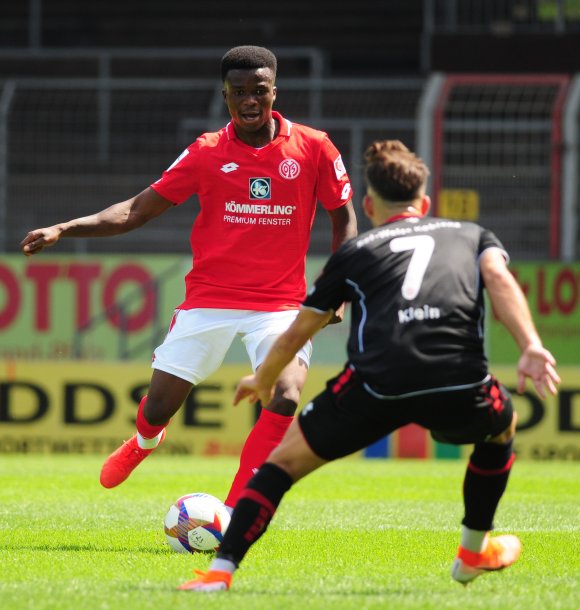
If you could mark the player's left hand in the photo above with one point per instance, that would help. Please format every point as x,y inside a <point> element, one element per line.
<point>538,364</point>
<point>38,239</point>
<point>337,316</point>
<point>250,389</point>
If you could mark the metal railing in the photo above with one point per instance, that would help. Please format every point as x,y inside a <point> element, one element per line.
<point>500,16</point>
<point>353,111</point>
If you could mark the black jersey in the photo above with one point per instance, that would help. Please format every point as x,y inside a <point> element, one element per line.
<point>417,303</point>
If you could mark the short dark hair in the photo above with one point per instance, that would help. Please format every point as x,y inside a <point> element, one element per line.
<point>248,57</point>
<point>393,171</point>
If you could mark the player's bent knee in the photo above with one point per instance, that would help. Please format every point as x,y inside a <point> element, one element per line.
<point>508,434</point>
<point>289,388</point>
<point>283,405</point>
<point>297,461</point>
<point>294,455</point>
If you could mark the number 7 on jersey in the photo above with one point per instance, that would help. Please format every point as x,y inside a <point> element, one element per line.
<point>422,246</point>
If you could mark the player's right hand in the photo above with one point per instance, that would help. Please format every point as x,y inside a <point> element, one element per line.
<point>337,316</point>
<point>248,388</point>
<point>38,239</point>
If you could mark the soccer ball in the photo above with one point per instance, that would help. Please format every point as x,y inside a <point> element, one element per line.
<point>196,523</point>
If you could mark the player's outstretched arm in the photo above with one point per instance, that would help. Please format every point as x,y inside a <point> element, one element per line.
<point>117,219</point>
<point>510,306</point>
<point>344,227</point>
<point>260,386</point>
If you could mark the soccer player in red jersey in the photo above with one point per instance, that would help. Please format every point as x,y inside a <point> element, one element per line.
<point>415,355</point>
<point>258,181</point>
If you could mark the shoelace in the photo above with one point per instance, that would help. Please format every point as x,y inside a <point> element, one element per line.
<point>492,553</point>
<point>210,576</point>
<point>201,576</point>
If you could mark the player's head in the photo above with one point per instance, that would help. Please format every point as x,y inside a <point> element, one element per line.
<point>248,57</point>
<point>396,180</point>
<point>249,74</point>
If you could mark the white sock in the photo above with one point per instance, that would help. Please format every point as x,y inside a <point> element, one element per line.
<point>223,565</point>
<point>473,540</point>
<point>148,443</point>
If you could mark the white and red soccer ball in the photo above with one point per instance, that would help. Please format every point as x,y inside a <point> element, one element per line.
<point>196,523</point>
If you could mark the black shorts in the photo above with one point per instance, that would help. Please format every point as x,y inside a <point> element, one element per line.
<point>346,418</point>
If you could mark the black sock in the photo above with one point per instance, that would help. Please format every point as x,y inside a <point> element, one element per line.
<point>254,511</point>
<point>485,481</point>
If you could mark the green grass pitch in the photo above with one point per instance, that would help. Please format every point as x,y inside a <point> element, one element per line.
<point>358,534</point>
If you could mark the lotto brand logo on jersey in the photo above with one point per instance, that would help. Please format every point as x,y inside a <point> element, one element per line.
<point>259,188</point>
<point>339,168</point>
<point>289,169</point>
<point>229,167</point>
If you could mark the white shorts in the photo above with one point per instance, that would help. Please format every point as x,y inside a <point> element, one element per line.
<point>198,339</point>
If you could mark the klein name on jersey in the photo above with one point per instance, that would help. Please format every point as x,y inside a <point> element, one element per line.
<point>419,313</point>
<point>259,208</point>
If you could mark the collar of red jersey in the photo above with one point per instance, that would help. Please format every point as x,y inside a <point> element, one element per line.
<point>401,216</point>
<point>285,126</point>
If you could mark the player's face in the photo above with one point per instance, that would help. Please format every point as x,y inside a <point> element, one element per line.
<point>250,95</point>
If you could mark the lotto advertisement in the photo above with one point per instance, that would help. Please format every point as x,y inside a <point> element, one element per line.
<point>76,337</point>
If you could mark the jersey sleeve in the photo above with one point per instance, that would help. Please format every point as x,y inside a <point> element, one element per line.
<point>488,240</point>
<point>330,290</point>
<point>180,180</point>
<point>334,189</point>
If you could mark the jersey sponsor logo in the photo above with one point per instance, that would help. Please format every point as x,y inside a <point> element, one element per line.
<point>289,169</point>
<point>339,168</point>
<point>258,214</point>
<point>382,234</point>
<point>418,314</point>
<point>259,209</point>
<point>346,192</point>
<point>259,188</point>
<point>425,228</point>
<point>229,167</point>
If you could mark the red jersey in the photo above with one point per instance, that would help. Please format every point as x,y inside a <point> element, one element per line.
<point>250,238</point>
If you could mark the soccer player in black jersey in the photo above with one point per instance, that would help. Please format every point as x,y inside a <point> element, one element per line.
<point>415,355</point>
